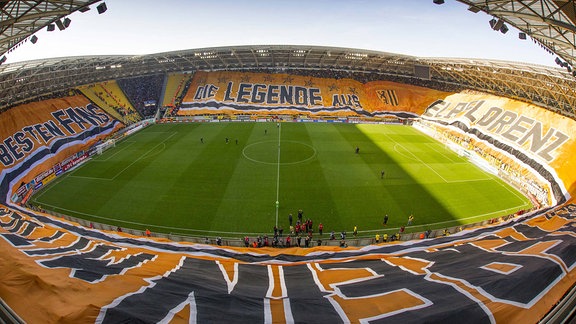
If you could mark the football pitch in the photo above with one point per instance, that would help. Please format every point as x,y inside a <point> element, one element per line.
<point>224,179</point>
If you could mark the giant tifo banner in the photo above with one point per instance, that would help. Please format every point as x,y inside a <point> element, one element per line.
<point>36,137</point>
<point>539,138</point>
<point>513,272</point>
<point>265,93</point>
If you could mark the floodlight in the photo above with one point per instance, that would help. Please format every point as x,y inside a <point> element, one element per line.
<point>51,27</point>
<point>60,24</point>
<point>504,28</point>
<point>438,2</point>
<point>493,22</point>
<point>522,35</point>
<point>558,61</point>
<point>498,24</point>
<point>84,9</point>
<point>33,39</point>
<point>102,8</point>
<point>2,59</point>
<point>474,9</point>
<point>67,22</point>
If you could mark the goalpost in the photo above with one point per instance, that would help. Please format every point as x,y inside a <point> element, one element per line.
<point>100,148</point>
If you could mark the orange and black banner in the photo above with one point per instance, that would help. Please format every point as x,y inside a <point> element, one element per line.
<point>266,93</point>
<point>36,136</point>
<point>512,272</point>
<point>388,97</point>
<point>541,139</point>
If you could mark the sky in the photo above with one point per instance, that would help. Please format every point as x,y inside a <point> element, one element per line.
<point>410,27</point>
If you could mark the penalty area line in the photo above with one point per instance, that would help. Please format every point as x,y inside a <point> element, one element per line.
<point>192,230</point>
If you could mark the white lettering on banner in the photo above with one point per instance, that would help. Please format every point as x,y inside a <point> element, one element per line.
<point>16,147</point>
<point>270,94</point>
<point>513,127</point>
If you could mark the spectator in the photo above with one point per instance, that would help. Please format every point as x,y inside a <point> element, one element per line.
<point>143,93</point>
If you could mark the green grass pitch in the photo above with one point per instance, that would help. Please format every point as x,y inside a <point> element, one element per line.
<point>166,179</point>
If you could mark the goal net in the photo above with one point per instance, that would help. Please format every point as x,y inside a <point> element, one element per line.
<point>104,146</point>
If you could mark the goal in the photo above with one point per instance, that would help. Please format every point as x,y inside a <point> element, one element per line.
<point>100,148</point>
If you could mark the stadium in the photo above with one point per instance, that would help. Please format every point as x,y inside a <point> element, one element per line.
<point>164,187</point>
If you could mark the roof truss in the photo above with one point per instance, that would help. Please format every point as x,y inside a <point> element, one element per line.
<point>550,23</point>
<point>20,19</point>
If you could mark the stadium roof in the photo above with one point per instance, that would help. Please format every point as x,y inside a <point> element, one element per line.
<point>549,87</point>
<point>550,23</point>
<point>21,19</point>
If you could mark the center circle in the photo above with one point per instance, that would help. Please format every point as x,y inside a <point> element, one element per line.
<point>291,152</point>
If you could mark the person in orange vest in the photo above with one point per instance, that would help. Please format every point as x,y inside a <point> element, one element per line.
<point>320,228</point>
<point>148,233</point>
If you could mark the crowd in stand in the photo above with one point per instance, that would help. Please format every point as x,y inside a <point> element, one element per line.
<point>509,169</point>
<point>363,77</point>
<point>112,100</point>
<point>46,96</point>
<point>181,89</point>
<point>178,99</point>
<point>143,92</point>
<point>147,89</point>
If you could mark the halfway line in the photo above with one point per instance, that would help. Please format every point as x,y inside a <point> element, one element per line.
<point>278,175</point>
